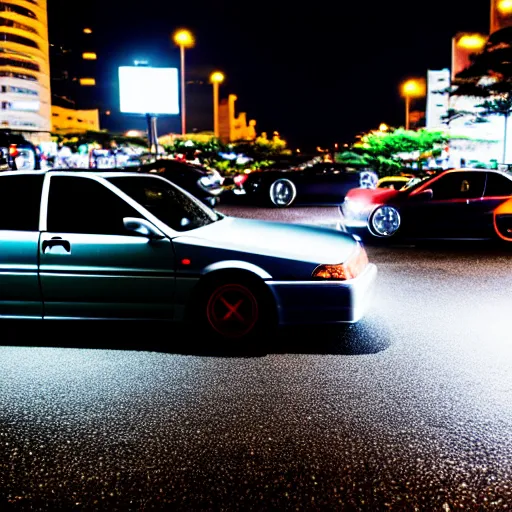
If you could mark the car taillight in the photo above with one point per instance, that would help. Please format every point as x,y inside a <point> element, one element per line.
<point>13,150</point>
<point>343,271</point>
<point>240,179</point>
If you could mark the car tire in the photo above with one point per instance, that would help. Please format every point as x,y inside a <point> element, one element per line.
<point>282,193</point>
<point>233,309</point>
<point>384,222</point>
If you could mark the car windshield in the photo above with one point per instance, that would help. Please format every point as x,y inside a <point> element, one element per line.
<point>175,208</point>
<point>414,183</point>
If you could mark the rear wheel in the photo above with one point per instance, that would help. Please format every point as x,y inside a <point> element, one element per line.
<point>282,193</point>
<point>384,222</point>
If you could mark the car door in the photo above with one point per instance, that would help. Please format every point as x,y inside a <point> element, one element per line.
<point>20,200</point>
<point>454,208</point>
<point>90,265</point>
<point>320,181</point>
<point>498,189</point>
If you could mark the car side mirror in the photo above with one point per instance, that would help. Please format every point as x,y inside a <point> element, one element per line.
<point>424,195</point>
<point>142,227</point>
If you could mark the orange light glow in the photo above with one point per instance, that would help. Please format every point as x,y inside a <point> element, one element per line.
<point>217,77</point>
<point>89,56</point>
<point>414,88</point>
<point>87,31</point>
<point>504,209</point>
<point>348,270</point>
<point>184,37</point>
<point>505,6</point>
<point>472,42</point>
<point>87,81</point>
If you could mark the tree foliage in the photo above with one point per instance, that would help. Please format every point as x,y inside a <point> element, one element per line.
<point>388,152</point>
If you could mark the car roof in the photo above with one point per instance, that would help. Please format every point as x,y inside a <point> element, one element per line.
<point>71,172</point>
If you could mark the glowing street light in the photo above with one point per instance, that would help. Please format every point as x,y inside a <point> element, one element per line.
<point>472,41</point>
<point>412,88</point>
<point>184,39</point>
<point>383,127</point>
<point>216,78</point>
<point>505,6</point>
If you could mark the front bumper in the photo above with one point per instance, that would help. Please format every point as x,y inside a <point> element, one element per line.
<point>324,302</point>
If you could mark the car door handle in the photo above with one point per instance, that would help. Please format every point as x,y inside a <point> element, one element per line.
<point>56,241</point>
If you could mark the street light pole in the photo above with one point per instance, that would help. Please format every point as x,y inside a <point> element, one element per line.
<point>216,109</point>
<point>183,38</point>
<point>413,88</point>
<point>182,87</point>
<point>216,78</point>
<point>407,112</point>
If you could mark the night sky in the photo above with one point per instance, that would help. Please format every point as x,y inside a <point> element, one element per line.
<point>317,72</point>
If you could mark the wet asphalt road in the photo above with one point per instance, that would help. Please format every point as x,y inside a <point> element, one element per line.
<point>411,409</point>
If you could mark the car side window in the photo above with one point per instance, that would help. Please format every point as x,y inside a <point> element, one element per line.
<point>20,202</point>
<point>459,185</point>
<point>497,185</point>
<point>78,204</point>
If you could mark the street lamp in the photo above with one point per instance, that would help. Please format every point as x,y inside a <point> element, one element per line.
<point>216,78</point>
<point>413,88</point>
<point>184,39</point>
<point>474,42</point>
<point>505,6</point>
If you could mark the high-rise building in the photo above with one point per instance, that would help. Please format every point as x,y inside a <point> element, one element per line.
<point>73,59</point>
<point>25,97</point>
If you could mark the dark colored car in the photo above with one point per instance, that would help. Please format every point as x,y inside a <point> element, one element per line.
<point>17,153</point>
<point>203,183</point>
<point>461,203</point>
<point>317,183</point>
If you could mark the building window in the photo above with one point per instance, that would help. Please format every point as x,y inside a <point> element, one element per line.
<point>19,64</point>
<point>89,56</point>
<point>14,24</point>
<point>17,9</point>
<point>13,38</point>
<point>87,81</point>
<point>21,90</point>
<point>21,76</point>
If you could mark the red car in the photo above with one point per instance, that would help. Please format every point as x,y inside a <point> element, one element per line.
<point>459,203</point>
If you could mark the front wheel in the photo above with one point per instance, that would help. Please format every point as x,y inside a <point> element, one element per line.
<point>233,310</point>
<point>282,193</point>
<point>384,222</point>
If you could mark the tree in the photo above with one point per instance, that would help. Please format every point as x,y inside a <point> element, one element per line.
<point>489,77</point>
<point>387,152</point>
<point>496,95</point>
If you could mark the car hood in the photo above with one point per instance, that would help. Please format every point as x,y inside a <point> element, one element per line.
<point>266,238</point>
<point>371,195</point>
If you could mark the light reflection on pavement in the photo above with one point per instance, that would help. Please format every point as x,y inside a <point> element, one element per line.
<point>411,409</point>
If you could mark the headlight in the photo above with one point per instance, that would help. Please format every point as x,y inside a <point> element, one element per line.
<point>354,207</point>
<point>350,269</point>
<point>206,181</point>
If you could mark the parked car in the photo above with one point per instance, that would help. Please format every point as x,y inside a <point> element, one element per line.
<point>457,203</point>
<point>114,245</point>
<point>203,183</point>
<point>395,182</point>
<point>320,182</point>
<point>17,153</point>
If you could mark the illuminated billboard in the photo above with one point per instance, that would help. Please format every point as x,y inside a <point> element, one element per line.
<point>147,90</point>
<point>501,14</point>
<point>464,46</point>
